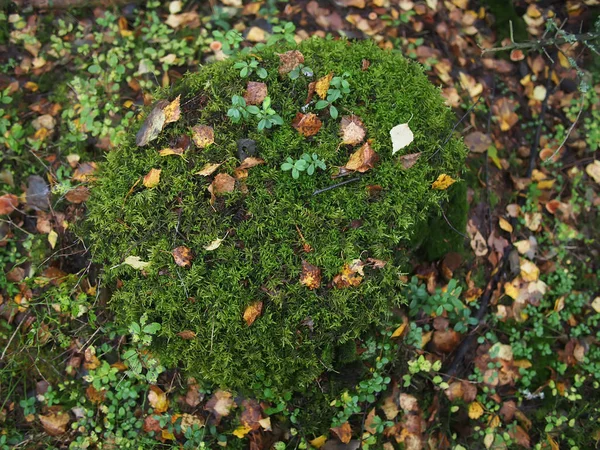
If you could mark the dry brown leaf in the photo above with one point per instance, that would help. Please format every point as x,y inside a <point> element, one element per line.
<point>203,135</point>
<point>252,312</point>
<point>322,85</point>
<point>352,130</point>
<point>208,169</point>
<point>251,414</point>
<point>171,151</point>
<point>172,111</point>
<point>256,92</point>
<point>94,395</point>
<point>477,141</point>
<point>343,432</point>
<point>593,170</point>
<point>85,172</point>
<point>8,203</point>
<point>363,159</point>
<point>443,182</point>
<point>186,334</point>
<point>504,111</point>
<point>158,400</point>
<point>408,403</point>
<point>289,60</point>
<point>55,422</point>
<point>183,256</point>
<point>470,85</point>
<point>310,276</point>
<point>221,184</point>
<point>409,160</point>
<point>220,404</point>
<point>78,195</point>
<point>152,178</point>
<point>307,124</point>
<point>153,124</point>
<point>251,161</point>
<point>369,426</point>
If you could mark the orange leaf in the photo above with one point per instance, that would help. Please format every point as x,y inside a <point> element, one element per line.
<point>252,312</point>
<point>348,277</point>
<point>8,203</point>
<point>311,275</point>
<point>251,162</point>
<point>343,432</point>
<point>363,159</point>
<point>307,124</point>
<point>186,334</point>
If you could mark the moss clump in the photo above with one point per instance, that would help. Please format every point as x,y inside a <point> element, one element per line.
<point>294,339</point>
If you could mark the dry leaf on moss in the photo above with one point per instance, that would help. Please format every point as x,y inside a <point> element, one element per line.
<point>208,169</point>
<point>352,130</point>
<point>289,60</point>
<point>410,159</point>
<point>136,262</point>
<point>350,276</point>
<point>172,111</point>
<point>251,414</point>
<point>203,135</point>
<point>186,334</point>
<point>153,125</point>
<point>152,178</point>
<point>158,399</point>
<point>221,184</point>
<point>310,276</point>
<point>256,92</point>
<point>171,151</point>
<point>252,312</point>
<point>183,256</point>
<point>78,195</point>
<point>593,170</point>
<point>343,432</point>
<point>307,124</point>
<point>55,422</point>
<point>220,404</point>
<point>251,161</point>
<point>8,203</point>
<point>401,136</point>
<point>443,182</point>
<point>322,85</point>
<point>213,245</point>
<point>363,159</point>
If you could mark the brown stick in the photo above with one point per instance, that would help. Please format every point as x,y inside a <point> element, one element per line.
<point>541,43</point>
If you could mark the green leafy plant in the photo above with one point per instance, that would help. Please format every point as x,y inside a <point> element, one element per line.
<point>308,163</point>
<point>267,116</point>
<point>138,358</point>
<point>248,68</point>
<point>300,69</point>
<point>338,87</point>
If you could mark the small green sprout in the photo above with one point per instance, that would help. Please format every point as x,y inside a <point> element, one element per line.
<point>306,163</point>
<point>247,68</point>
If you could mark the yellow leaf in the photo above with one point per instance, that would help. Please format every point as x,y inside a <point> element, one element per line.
<point>171,151</point>
<point>213,245</point>
<point>399,331</point>
<point>203,135</point>
<point>252,312</point>
<point>152,178</point>
<point>208,169</point>
<point>593,170</point>
<point>158,399</point>
<point>167,435</point>
<point>443,182</point>
<point>172,111</point>
<point>505,225</point>
<point>136,262</point>
<point>318,442</point>
<point>488,440</point>
<point>511,290</point>
<point>546,184</point>
<point>475,410</point>
<point>52,238</point>
<point>596,304</point>
<point>529,271</point>
<point>265,423</point>
<point>322,85</point>
<point>241,431</point>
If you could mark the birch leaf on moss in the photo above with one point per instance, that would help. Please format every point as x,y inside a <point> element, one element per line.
<point>322,85</point>
<point>352,130</point>
<point>136,262</point>
<point>152,178</point>
<point>401,136</point>
<point>213,245</point>
<point>162,114</point>
<point>443,182</point>
<point>203,135</point>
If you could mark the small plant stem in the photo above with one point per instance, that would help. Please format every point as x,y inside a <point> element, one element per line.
<point>329,188</point>
<point>571,127</point>
<point>542,43</point>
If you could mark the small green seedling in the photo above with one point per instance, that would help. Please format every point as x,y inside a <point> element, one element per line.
<point>306,163</point>
<point>237,111</point>
<point>267,116</point>
<point>247,68</point>
<point>300,69</point>
<point>339,86</point>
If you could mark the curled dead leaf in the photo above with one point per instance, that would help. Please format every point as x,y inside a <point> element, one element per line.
<point>252,312</point>
<point>183,256</point>
<point>363,159</point>
<point>504,111</point>
<point>251,161</point>
<point>350,276</point>
<point>307,124</point>
<point>310,276</point>
<point>153,124</point>
<point>352,130</point>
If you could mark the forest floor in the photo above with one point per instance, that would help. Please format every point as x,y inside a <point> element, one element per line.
<point>525,374</point>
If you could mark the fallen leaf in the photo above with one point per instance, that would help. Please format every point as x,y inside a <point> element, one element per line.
<point>94,395</point>
<point>158,400</point>
<point>399,331</point>
<point>369,425</point>
<point>252,312</point>
<point>596,304</point>
<point>256,92</point>
<point>213,245</point>
<point>470,85</point>
<point>443,182</point>
<point>55,422</point>
<point>241,431</point>
<point>37,195</point>
<point>348,277</point>
<point>343,432</point>
<point>529,271</point>
<point>186,334</point>
<point>78,195</point>
<point>390,408</point>
<point>289,60</point>
<point>307,124</point>
<point>152,178</point>
<point>593,170</point>
<point>203,135</point>
<point>220,404</point>
<point>189,420</point>
<point>183,256</point>
<point>266,424</point>
<point>401,136</point>
<point>322,85</point>
<point>408,403</point>
<point>221,184</point>
<point>52,238</point>
<point>352,130</point>
<point>251,414</point>
<point>318,442</point>
<point>8,203</point>
<point>310,276</point>
<point>171,151</point>
<point>172,111</point>
<point>533,220</point>
<point>208,169</point>
<point>251,161</point>
<point>475,410</point>
<point>410,159</point>
<point>505,225</point>
<point>153,125</point>
<point>478,142</point>
<point>504,111</point>
<point>363,159</point>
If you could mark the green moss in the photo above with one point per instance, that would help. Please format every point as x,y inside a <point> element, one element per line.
<point>261,257</point>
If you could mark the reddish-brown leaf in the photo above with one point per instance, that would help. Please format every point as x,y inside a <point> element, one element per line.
<point>186,334</point>
<point>183,256</point>
<point>251,414</point>
<point>221,184</point>
<point>307,124</point>
<point>310,276</point>
<point>8,203</point>
<point>410,159</point>
<point>78,195</point>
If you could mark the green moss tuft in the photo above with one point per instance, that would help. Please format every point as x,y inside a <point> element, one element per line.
<point>294,339</point>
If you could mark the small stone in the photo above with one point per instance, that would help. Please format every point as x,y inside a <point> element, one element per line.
<point>246,148</point>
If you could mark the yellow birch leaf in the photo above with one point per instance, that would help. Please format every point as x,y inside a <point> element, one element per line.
<point>322,85</point>
<point>505,225</point>
<point>152,178</point>
<point>475,410</point>
<point>399,331</point>
<point>318,442</point>
<point>443,182</point>
<point>52,238</point>
<point>241,431</point>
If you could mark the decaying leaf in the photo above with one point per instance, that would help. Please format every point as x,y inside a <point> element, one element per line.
<point>136,262</point>
<point>252,312</point>
<point>203,135</point>
<point>289,60</point>
<point>251,414</point>
<point>152,178</point>
<point>213,245</point>
<point>443,182</point>
<point>208,169</point>
<point>221,184</point>
<point>84,173</point>
<point>251,161</point>
<point>307,124</point>
<point>310,276</point>
<point>78,195</point>
<point>186,334</point>
<point>504,111</point>
<point>470,85</point>
<point>351,275</point>
<point>220,404</point>
<point>158,399</point>
<point>343,432</point>
<point>477,141</point>
<point>475,410</point>
<point>172,111</point>
<point>505,225</point>
<point>183,256</point>
<point>352,130</point>
<point>55,422</point>
<point>363,159</point>
<point>153,125</point>
<point>322,85</point>
<point>8,203</point>
<point>171,151</point>
<point>410,159</point>
<point>401,136</point>
<point>256,92</point>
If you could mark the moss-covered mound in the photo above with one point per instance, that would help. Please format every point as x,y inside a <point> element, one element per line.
<point>271,222</point>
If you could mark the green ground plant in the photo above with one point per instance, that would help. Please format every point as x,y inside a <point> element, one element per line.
<point>261,260</point>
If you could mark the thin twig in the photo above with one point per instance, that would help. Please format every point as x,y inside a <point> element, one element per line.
<point>351,180</point>
<point>541,43</point>
<point>571,127</point>
<point>11,338</point>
